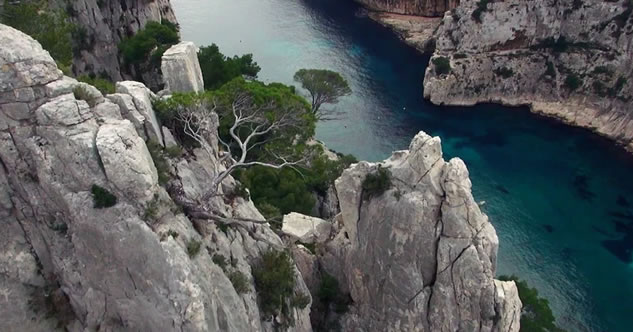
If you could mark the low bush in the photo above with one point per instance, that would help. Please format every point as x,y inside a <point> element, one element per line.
<point>573,82</point>
<point>103,85</point>
<point>275,281</point>
<point>504,72</point>
<point>81,93</point>
<point>375,184</point>
<point>329,292</point>
<point>151,209</point>
<point>482,6</point>
<point>193,248</point>
<point>220,261</point>
<point>239,281</point>
<point>442,65</point>
<point>161,163</point>
<point>102,198</point>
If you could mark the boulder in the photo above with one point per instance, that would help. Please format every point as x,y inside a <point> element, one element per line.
<point>143,97</point>
<point>181,69</point>
<point>305,228</point>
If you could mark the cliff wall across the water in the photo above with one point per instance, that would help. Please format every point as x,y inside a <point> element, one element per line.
<point>572,60</point>
<point>411,7</point>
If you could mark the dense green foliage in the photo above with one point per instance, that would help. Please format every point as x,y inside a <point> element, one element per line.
<point>49,27</point>
<point>275,281</point>
<point>504,72</point>
<point>276,192</point>
<point>573,82</point>
<point>150,42</point>
<point>536,315</point>
<point>158,156</point>
<point>193,247</point>
<point>375,184</point>
<point>239,281</point>
<point>442,65</point>
<point>325,86</point>
<point>102,84</point>
<point>282,96</point>
<point>218,69</point>
<point>330,293</point>
<point>482,6</point>
<point>102,198</point>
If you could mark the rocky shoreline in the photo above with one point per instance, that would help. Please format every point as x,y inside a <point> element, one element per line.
<point>562,60</point>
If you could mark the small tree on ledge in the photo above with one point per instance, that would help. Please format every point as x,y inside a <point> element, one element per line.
<point>325,87</point>
<point>263,125</point>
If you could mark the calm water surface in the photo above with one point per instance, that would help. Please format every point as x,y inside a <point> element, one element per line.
<point>560,198</point>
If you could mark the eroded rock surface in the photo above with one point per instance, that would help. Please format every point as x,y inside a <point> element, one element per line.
<point>305,228</point>
<point>181,69</point>
<point>412,7</point>
<point>421,256</point>
<point>139,265</point>
<point>566,59</point>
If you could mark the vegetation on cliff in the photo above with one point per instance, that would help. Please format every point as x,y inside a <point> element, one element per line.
<point>536,315</point>
<point>218,69</point>
<point>325,87</point>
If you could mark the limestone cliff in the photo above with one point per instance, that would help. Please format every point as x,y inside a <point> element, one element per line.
<point>411,7</point>
<point>139,265</point>
<point>568,59</point>
<point>420,256</point>
<point>104,24</point>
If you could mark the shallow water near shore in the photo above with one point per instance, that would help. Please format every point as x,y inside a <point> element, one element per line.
<point>560,198</point>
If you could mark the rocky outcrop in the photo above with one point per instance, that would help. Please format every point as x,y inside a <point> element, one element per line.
<point>420,256</point>
<point>138,265</point>
<point>305,228</point>
<point>411,7</point>
<point>103,24</point>
<point>181,69</point>
<point>416,31</point>
<point>566,59</point>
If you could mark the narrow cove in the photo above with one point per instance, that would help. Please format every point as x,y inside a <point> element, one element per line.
<point>560,198</point>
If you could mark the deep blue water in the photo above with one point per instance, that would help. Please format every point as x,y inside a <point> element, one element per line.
<point>555,194</point>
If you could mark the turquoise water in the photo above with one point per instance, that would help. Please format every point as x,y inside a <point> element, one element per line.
<point>556,195</point>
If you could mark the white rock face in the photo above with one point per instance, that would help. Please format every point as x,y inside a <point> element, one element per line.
<point>65,265</point>
<point>181,69</point>
<point>142,98</point>
<point>305,228</point>
<point>527,53</point>
<point>421,256</point>
<point>126,160</point>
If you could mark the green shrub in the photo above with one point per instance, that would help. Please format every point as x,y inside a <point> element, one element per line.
<point>619,84</point>
<point>599,88</point>
<point>300,301</point>
<point>81,93</point>
<point>482,6</point>
<point>103,85</point>
<point>102,198</point>
<point>174,151</point>
<point>504,72</point>
<point>573,82</point>
<point>161,163</point>
<point>51,28</point>
<point>172,233</point>
<point>603,70</point>
<point>442,65</point>
<point>218,69</point>
<point>193,248</point>
<point>459,56</point>
<point>536,314</point>
<point>375,184</point>
<point>220,261</point>
<point>151,209</point>
<point>239,281</point>
<point>275,281</point>
<point>238,191</point>
<point>330,293</point>
<point>154,37</point>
